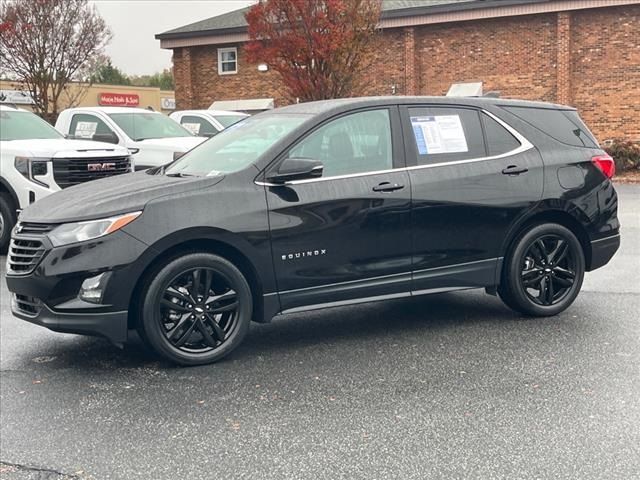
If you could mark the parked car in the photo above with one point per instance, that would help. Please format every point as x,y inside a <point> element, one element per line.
<point>324,204</point>
<point>207,123</point>
<point>36,160</point>
<point>152,138</point>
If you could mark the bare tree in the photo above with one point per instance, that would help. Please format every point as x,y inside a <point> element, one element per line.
<point>47,44</point>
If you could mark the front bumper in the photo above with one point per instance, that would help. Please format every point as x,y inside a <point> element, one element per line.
<point>48,294</point>
<point>110,325</point>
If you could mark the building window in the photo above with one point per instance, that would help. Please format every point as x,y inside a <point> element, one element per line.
<point>227,61</point>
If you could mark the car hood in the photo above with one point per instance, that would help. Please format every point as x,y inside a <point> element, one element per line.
<point>176,144</point>
<point>62,147</point>
<point>110,196</point>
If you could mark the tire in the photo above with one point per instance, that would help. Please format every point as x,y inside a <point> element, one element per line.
<point>188,323</point>
<point>7,221</point>
<point>543,272</point>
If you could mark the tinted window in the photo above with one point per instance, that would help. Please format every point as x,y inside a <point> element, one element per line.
<point>143,126</point>
<point>24,126</point>
<point>228,120</point>
<point>445,134</point>
<point>198,126</point>
<point>356,143</point>
<point>563,125</point>
<point>238,146</point>
<point>86,126</point>
<point>499,140</point>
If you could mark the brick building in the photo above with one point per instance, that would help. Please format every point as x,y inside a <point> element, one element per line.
<point>584,53</point>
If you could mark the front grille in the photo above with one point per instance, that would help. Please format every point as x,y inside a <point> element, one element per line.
<point>34,228</point>
<point>27,305</point>
<point>72,171</point>
<point>24,255</point>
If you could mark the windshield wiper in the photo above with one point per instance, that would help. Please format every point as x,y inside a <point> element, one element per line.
<point>180,175</point>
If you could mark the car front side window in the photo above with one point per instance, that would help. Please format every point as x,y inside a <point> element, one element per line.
<point>86,126</point>
<point>352,144</point>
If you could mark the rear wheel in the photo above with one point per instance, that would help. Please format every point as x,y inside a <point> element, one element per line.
<point>196,309</point>
<point>7,220</point>
<point>543,273</point>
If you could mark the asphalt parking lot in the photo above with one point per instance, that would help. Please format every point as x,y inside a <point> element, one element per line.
<point>446,386</point>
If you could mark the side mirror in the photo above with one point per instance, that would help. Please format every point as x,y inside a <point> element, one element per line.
<point>296,169</point>
<point>106,137</point>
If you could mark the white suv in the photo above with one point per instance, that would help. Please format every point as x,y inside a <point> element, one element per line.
<point>207,123</point>
<point>152,138</point>
<point>36,160</point>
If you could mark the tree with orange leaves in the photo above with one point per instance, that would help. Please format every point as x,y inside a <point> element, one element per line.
<point>318,47</point>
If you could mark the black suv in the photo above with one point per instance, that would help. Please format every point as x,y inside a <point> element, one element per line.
<point>323,204</point>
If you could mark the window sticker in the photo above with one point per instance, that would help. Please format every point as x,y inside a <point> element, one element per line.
<point>192,127</point>
<point>85,129</point>
<point>439,134</point>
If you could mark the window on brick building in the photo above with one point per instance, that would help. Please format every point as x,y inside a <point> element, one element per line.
<point>227,61</point>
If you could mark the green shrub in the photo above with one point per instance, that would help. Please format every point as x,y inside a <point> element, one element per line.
<point>626,154</point>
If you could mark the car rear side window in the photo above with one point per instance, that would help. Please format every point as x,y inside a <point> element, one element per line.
<point>446,134</point>
<point>563,125</point>
<point>85,126</point>
<point>499,140</point>
<point>198,126</point>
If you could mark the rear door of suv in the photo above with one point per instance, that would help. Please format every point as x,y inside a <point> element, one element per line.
<point>472,177</point>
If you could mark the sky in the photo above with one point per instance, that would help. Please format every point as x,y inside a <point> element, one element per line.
<point>134,24</point>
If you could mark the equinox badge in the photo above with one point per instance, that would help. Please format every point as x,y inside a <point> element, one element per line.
<point>308,253</point>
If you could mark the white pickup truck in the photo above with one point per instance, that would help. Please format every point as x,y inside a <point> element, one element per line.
<point>152,138</point>
<point>36,160</point>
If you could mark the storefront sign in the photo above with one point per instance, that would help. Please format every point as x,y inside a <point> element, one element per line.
<point>119,99</point>
<point>15,96</point>
<point>168,103</point>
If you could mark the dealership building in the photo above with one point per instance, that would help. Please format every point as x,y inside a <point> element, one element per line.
<point>584,53</point>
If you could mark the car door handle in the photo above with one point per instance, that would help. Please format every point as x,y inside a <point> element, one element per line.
<point>387,187</point>
<point>514,170</point>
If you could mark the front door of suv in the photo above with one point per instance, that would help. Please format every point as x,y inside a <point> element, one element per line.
<point>346,234</point>
<point>472,177</point>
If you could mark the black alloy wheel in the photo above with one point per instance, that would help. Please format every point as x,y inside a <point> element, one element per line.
<point>199,310</point>
<point>544,271</point>
<point>196,309</point>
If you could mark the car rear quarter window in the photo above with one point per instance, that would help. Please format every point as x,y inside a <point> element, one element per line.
<point>499,140</point>
<point>445,134</point>
<point>563,125</point>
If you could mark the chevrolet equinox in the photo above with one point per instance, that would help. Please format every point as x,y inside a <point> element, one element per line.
<point>323,204</point>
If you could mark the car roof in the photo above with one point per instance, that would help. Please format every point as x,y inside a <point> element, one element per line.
<point>112,110</point>
<point>327,106</point>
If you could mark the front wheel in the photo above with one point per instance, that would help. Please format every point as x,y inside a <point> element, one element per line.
<point>544,271</point>
<point>196,309</point>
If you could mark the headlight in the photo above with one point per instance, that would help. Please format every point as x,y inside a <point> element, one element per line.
<point>30,168</point>
<point>81,231</point>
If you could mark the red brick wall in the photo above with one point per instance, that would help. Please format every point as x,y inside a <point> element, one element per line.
<point>515,56</point>
<point>589,59</point>
<point>605,70</point>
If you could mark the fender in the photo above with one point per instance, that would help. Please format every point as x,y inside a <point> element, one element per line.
<point>4,185</point>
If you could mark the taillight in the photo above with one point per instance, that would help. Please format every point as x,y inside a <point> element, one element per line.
<point>605,164</point>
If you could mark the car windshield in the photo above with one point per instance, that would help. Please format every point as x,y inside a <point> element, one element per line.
<point>237,147</point>
<point>228,120</point>
<point>16,125</point>
<point>144,126</point>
